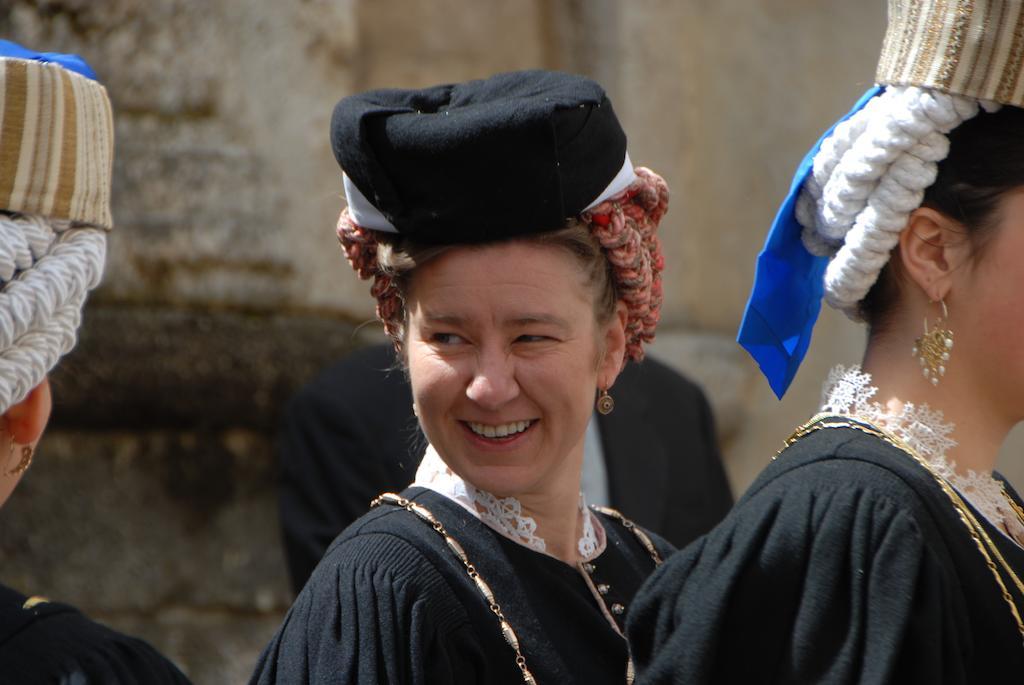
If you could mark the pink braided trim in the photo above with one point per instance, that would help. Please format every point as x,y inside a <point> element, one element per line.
<point>624,225</point>
<point>360,245</point>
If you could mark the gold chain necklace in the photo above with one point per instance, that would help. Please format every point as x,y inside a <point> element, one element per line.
<point>1013,503</point>
<point>639,533</point>
<point>509,634</point>
<point>981,538</point>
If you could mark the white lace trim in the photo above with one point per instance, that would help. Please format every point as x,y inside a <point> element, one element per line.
<point>502,514</point>
<point>849,391</point>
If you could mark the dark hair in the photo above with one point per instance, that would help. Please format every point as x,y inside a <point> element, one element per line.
<point>985,162</point>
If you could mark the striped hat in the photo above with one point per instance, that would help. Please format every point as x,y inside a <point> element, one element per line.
<point>56,139</point>
<point>56,148</point>
<point>973,48</point>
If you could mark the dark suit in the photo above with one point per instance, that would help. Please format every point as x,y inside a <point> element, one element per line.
<point>350,435</point>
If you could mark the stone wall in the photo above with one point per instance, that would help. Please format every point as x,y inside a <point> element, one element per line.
<point>152,502</point>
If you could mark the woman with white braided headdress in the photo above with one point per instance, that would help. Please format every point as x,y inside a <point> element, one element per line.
<point>56,147</point>
<point>880,545</point>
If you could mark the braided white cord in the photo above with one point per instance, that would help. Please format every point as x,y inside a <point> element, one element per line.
<point>869,175</point>
<point>47,268</point>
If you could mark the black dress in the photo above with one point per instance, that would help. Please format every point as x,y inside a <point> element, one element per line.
<point>391,603</point>
<point>844,563</point>
<point>55,643</point>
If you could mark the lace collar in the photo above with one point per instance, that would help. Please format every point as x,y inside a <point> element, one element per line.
<point>503,514</point>
<point>849,391</point>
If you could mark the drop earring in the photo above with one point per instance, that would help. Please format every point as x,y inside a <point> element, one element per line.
<point>26,459</point>
<point>933,348</point>
<point>605,403</point>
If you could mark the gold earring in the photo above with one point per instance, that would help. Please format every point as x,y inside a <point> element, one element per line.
<point>605,403</point>
<point>26,459</point>
<point>932,349</point>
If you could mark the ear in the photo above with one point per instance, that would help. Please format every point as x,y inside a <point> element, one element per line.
<point>26,420</point>
<point>931,248</point>
<point>614,347</point>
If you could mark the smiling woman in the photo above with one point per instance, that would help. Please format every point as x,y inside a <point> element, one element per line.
<point>514,260</point>
<point>504,381</point>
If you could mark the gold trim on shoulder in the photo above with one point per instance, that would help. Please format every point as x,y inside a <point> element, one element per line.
<point>986,547</point>
<point>35,601</point>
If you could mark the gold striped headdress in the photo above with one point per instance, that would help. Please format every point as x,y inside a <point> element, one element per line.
<point>56,143</point>
<point>973,48</point>
<point>56,157</point>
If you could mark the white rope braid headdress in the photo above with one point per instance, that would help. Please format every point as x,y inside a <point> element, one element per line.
<point>54,213</point>
<point>869,175</point>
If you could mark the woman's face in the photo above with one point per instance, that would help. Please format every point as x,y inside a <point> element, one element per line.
<point>986,307</point>
<point>505,355</point>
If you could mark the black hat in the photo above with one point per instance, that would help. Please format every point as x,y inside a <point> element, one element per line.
<point>510,155</point>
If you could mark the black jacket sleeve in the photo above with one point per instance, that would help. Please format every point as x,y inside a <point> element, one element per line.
<point>375,611</point>
<point>53,642</point>
<point>826,584</point>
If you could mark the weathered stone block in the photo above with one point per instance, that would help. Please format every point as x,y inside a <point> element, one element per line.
<point>723,99</point>
<point>715,363</point>
<point>209,646</point>
<point>135,522</point>
<point>406,44</point>
<point>225,187</point>
<point>150,367</point>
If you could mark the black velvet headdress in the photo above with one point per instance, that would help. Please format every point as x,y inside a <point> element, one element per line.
<point>513,154</point>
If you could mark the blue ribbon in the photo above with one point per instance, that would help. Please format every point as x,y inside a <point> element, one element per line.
<point>788,285</point>
<point>70,62</point>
